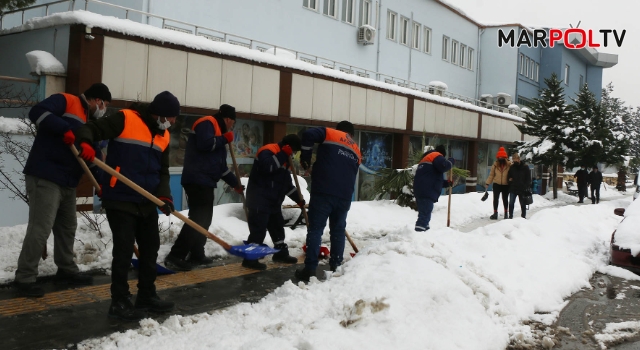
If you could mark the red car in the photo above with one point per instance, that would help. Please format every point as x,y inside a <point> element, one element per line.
<point>622,257</point>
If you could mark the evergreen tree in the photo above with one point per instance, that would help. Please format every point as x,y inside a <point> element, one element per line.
<point>586,138</point>
<point>554,126</point>
<point>10,5</point>
<point>617,128</point>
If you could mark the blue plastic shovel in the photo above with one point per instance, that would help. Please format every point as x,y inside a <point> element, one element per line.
<point>247,251</point>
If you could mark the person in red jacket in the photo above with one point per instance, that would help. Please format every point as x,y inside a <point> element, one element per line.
<point>52,174</point>
<point>269,182</point>
<point>139,150</point>
<point>332,183</point>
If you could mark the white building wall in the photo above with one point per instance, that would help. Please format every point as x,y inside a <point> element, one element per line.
<point>498,65</point>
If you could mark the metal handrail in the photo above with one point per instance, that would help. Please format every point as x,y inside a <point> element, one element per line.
<point>252,44</point>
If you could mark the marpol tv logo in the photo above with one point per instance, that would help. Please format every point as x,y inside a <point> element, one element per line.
<point>572,38</point>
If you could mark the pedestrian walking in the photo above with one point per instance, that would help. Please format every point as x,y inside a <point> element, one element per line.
<point>595,180</point>
<point>269,182</point>
<point>583,183</point>
<point>52,174</point>
<point>205,163</point>
<point>428,183</point>
<point>139,150</point>
<point>333,180</point>
<point>519,182</point>
<point>498,177</point>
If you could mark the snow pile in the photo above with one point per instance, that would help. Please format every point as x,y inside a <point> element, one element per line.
<point>444,288</point>
<point>438,85</point>
<point>43,63</point>
<point>13,125</point>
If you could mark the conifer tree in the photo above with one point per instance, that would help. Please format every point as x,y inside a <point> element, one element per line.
<point>552,123</point>
<point>10,5</point>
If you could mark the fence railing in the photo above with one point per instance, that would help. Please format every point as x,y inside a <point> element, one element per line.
<point>217,35</point>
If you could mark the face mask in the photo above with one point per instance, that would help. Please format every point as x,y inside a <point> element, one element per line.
<point>99,113</point>
<point>163,126</point>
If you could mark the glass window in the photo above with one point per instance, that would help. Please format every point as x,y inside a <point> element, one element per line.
<point>463,54</point>
<point>404,31</point>
<point>366,12</point>
<point>392,18</point>
<point>532,69</point>
<point>348,11</point>
<point>445,48</point>
<point>416,36</point>
<point>566,74</point>
<point>537,71</point>
<point>526,66</point>
<point>522,64</point>
<point>376,151</point>
<point>470,59</point>
<point>426,47</point>
<point>310,4</point>
<point>454,52</point>
<point>581,80</point>
<point>330,8</point>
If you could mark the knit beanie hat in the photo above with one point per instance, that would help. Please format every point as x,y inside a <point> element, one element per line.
<point>98,90</point>
<point>442,150</point>
<point>501,153</point>
<point>165,105</point>
<point>227,111</point>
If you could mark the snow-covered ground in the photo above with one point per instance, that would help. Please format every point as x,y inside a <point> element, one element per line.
<point>443,289</point>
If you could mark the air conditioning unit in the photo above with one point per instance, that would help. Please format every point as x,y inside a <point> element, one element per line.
<point>486,100</point>
<point>366,33</point>
<point>436,91</point>
<point>503,99</point>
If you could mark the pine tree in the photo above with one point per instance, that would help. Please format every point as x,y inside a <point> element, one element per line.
<point>553,124</point>
<point>10,5</point>
<point>590,133</point>
<point>617,128</point>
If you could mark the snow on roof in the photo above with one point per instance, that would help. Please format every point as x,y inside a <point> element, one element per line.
<point>438,84</point>
<point>131,28</point>
<point>42,62</point>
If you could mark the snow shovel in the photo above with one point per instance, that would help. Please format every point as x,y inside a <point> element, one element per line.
<point>450,192</point>
<point>247,251</point>
<point>304,211</point>
<point>235,168</point>
<point>159,268</point>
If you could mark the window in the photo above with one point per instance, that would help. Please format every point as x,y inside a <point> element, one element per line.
<point>426,45</point>
<point>581,80</point>
<point>537,71</point>
<point>566,74</point>
<point>415,41</point>
<point>330,8</point>
<point>404,31</point>
<point>532,69</point>
<point>365,19</point>
<point>454,52</point>
<point>522,64</point>
<point>463,54</point>
<point>526,66</point>
<point>310,4</point>
<point>470,59</point>
<point>445,47</point>
<point>392,18</point>
<point>348,11</point>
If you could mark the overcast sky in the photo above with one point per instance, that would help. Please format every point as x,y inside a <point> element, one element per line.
<point>596,15</point>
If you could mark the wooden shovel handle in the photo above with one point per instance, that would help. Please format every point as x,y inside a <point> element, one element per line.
<point>84,166</point>
<point>160,203</point>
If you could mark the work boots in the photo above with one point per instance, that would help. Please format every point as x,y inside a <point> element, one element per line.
<point>254,264</point>
<point>494,216</point>
<point>153,303</point>
<point>123,309</point>
<point>283,255</point>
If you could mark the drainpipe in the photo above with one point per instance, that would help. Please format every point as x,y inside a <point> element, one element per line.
<point>478,74</point>
<point>148,9</point>
<point>379,35</point>
<point>410,45</point>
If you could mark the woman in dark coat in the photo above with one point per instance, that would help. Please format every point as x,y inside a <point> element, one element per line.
<point>519,182</point>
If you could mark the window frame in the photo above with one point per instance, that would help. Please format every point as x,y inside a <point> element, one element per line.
<point>463,53</point>
<point>345,11</point>
<point>365,16</point>
<point>537,71</point>
<point>532,69</point>
<point>327,7</point>
<point>567,71</point>
<point>308,2</point>
<point>445,48</point>
<point>394,27</point>
<point>454,51</point>
<point>521,64</point>
<point>415,35</point>
<point>526,66</point>
<point>470,58</point>
<point>581,81</point>
<point>404,38</point>
<point>426,40</point>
